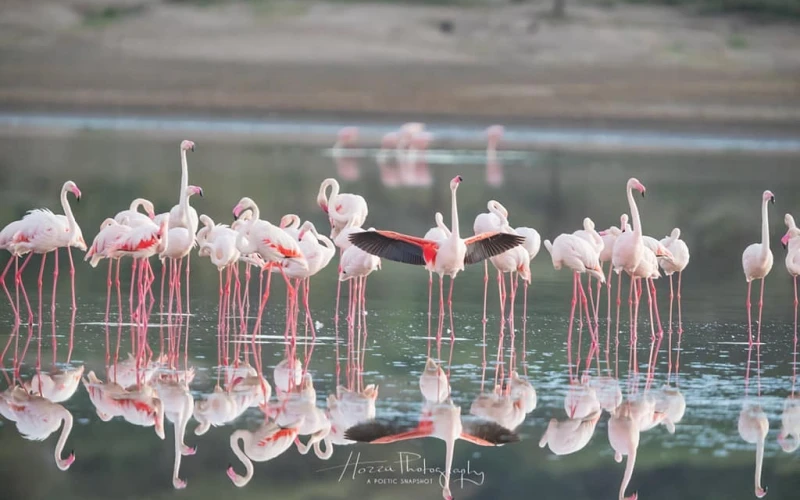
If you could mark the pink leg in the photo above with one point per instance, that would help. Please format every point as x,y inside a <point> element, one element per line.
<point>760,309</point>
<point>660,330</point>
<point>485,290</point>
<point>72,278</point>
<point>430,304</point>
<point>133,280</point>
<point>18,281</point>
<point>680,317</point>
<point>5,288</point>
<point>669,331</point>
<point>795,314</point>
<point>441,318</point>
<point>749,318</point>
<point>524,328</point>
<point>650,310</point>
<point>571,320</point>
<point>109,286</point>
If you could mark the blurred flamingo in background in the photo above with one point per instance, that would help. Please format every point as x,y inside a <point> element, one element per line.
<point>792,240</point>
<point>494,167</point>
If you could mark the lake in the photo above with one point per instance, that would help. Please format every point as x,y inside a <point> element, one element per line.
<point>713,197</point>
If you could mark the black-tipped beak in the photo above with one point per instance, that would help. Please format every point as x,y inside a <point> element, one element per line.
<point>642,194</point>
<point>78,199</point>
<point>192,147</point>
<point>772,199</point>
<point>71,452</point>
<point>460,179</point>
<point>201,193</point>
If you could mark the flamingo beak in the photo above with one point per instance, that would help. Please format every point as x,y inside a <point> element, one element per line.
<point>192,147</point>
<point>236,211</point>
<point>772,200</point>
<point>200,192</point>
<point>785,241</point>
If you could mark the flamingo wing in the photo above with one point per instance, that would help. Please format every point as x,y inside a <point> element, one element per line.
<point>489,434</point>
<point>486,245</point>
<point>381,433</point>
<point>396,246</point>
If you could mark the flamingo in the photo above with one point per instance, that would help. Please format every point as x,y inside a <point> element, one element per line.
<point>577,254</point>
<point>623,435</point>
<point>132,217</point>
<point>291,224</point>
<point>343,209</point>
<point>629,246</point>
<point>433,383</point>
<point>680,259</point>
<point>494,167</point>
<point>6,243</point>
<point>495,220</point>
<point>597,242</point>
<point>43,232</point>
<point>610,236</point>
<point>570,435</point>
<point>791,241</point>
<point>753,428</point>
<point>757,263</point>
<point>347,408</point>
<point>180,213</point>
<point>38,417</point>
<point>57,386</point>
<point>178,406</point>
<point>443,257</point>
<point>439,420</point>
<point>504,409</point>
<point>267,442</point>
<point>346,137</point>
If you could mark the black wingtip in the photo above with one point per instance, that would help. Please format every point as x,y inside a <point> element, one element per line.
<point>366,432</point>
<point>494,433</point>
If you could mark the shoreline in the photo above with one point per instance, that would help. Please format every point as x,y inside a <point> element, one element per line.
<point>320,130</point>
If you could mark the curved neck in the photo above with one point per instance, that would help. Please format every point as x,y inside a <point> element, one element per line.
<point>626,479</point>
<point>68,212</point>
<point>759,461</point>
<point>184,178</point>
<point>637,222</point>
<point>454,232</point>
<point>764,227</point>
<point>248,464</point>
<point>62,440</point>
<point>135,204</point>
<point>254,209</point>
<point>322,198</point>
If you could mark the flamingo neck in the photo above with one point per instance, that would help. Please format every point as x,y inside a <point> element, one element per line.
<point>454,232</point>
<point>248,464</point>
<point>135,204</point>
<point>334,192</point>
<point>62,440</point>
<point>244,244</point>
<point>759,461</point>
<point>184,178</point>
<point>626,479</point>
<point>637,222</point>
<point>72,224</point>
<point>184,216</point>
<point>256,213</point>
<point>764,228</point>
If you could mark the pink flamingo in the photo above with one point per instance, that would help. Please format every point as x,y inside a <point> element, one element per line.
<point>792,240</point>
<point>110,233</point>
<point>43,232</point>
<point>680,259</point>
<point>346,137</point>
<point>132,217</point>
<point>594,239</point>
<point>6,243</point>
<point>494,167</point>
<point>180,242</point>
<point>269,441</point>
<point>180,213</point>
<point>343,209</point>
<point>442,257</point>
<point>757,263</point>
<point>495,220</point>
<point>577,254</point>
<point>37,418</point>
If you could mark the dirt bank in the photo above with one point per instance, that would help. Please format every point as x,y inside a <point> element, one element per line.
<point>641,64</point>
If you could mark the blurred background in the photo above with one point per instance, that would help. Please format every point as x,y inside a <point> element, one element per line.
<point>699,99</point>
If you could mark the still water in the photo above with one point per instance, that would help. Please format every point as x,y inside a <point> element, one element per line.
<point>713,198</point>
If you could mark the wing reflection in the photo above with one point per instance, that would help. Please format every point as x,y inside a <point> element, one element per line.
<point>439,420</point>
<point>267,442</point>
<point>58,385</point>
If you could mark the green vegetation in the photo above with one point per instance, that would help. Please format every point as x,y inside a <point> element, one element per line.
<point>764,8</point>
<point>109,14</point>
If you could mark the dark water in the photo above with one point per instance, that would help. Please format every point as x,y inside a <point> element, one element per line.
<point>714,199</point>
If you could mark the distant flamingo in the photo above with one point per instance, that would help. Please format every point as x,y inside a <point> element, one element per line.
<point>680,259</point>
<point>346,137</point>
<point>597,242</point>
<point>43,232</point>
<point>132,217</point>
<point>494,167</point>
<point>343,209</point>
<point>757,263</point>
<point>447,257</point>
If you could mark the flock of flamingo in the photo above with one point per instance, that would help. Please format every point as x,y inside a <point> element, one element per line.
<point>153,381</point>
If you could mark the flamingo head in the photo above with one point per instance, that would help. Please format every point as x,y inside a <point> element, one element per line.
<point>495,133</point>
<point>588,224</point>
<point>348,135</point>
<point>455,182</point>
<point>789,221</point>
<point>623,222</point>
<point>244,204</point>
<point>63,464</point>
<point>73,188</point>
<point>108,223</point>
<point>187,145</point>
<point>159,418</point>
<point>761,492</point>
<point>192,190</point>
<point>633,183</point>
<point>768,196</point>
<point>389,141</point>
<point>288,220</point>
